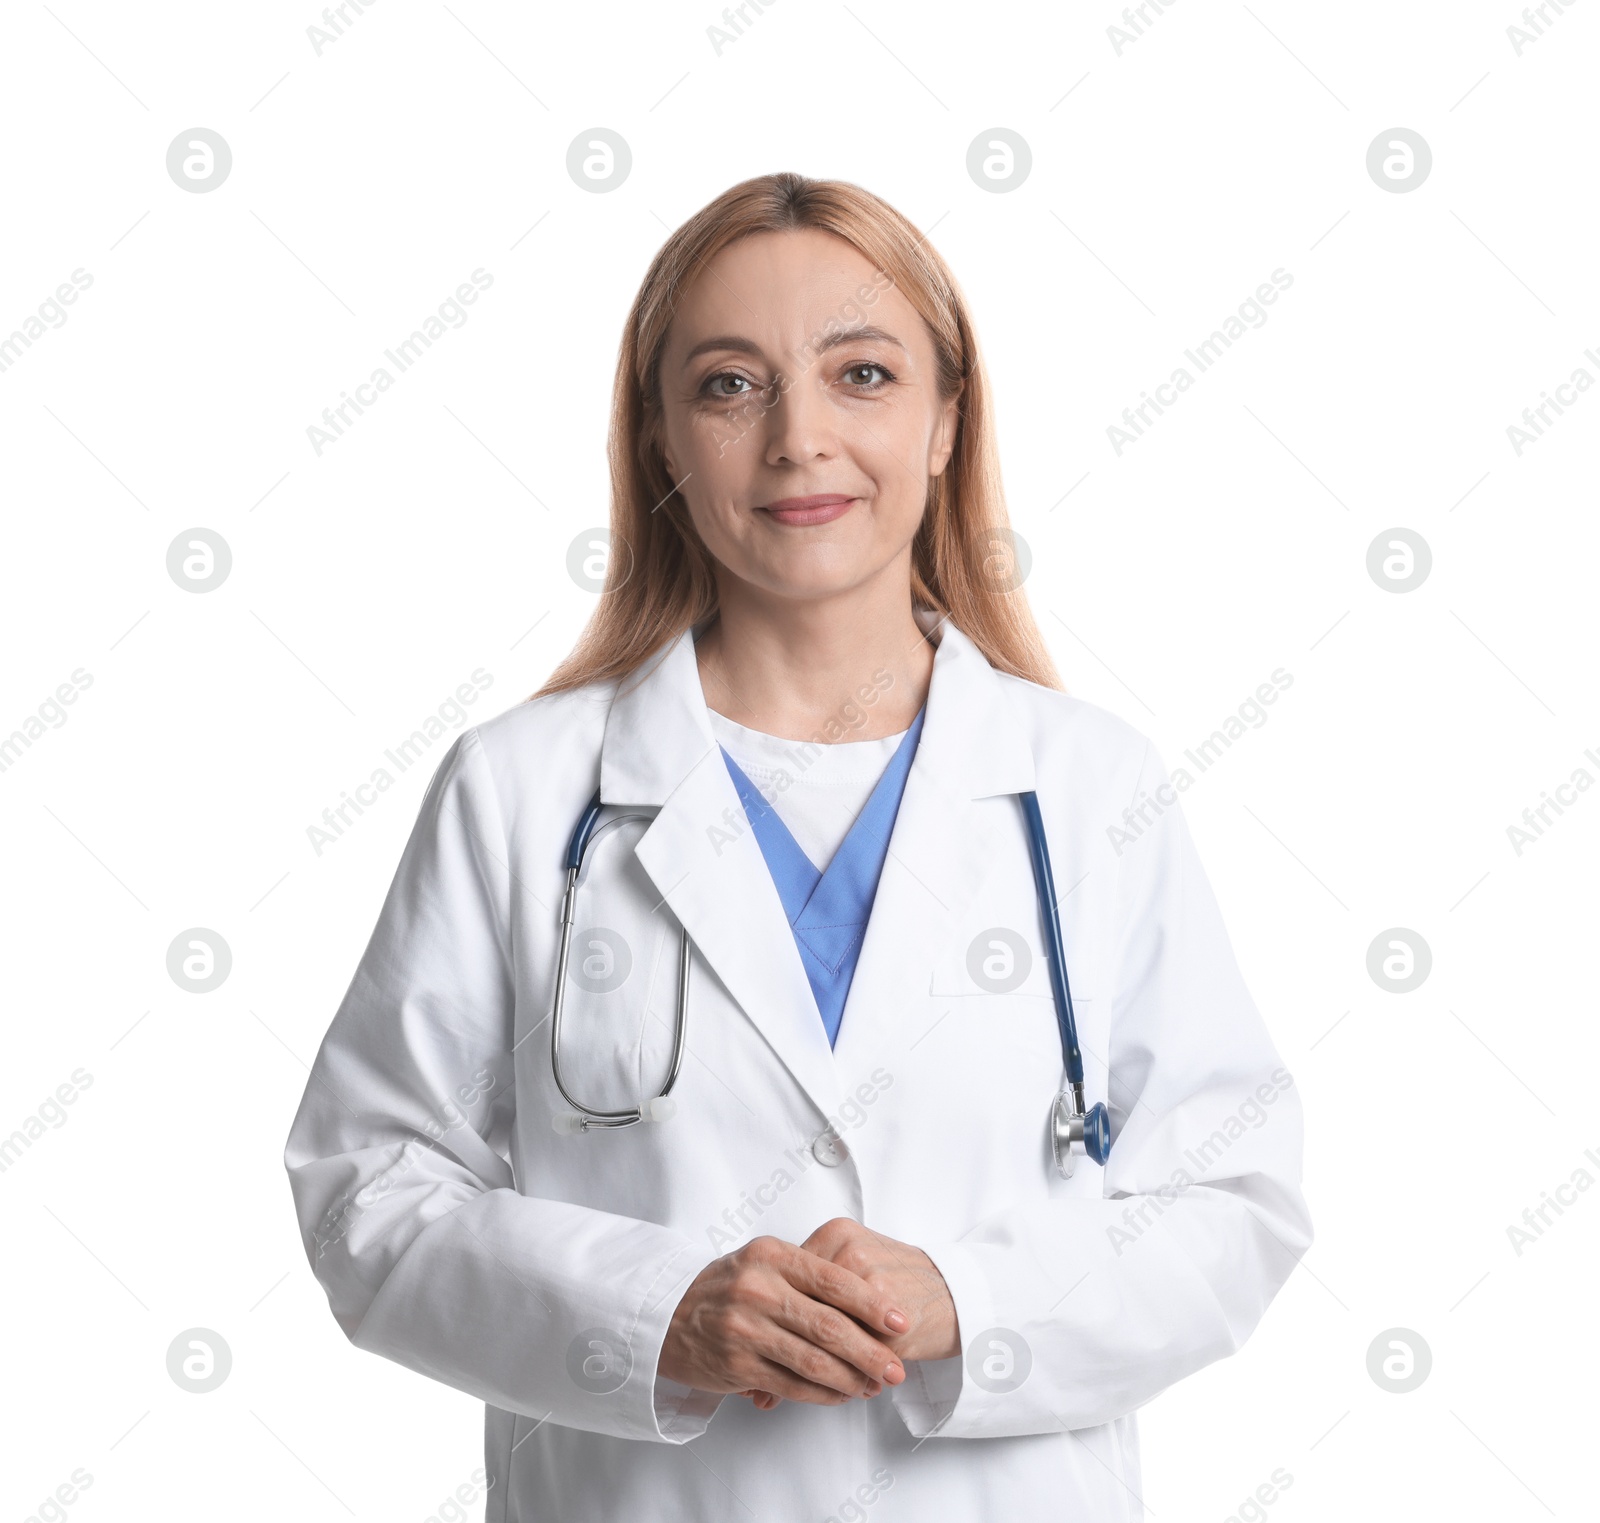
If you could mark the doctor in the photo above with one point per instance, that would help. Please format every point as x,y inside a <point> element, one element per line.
<point>838,1273</point>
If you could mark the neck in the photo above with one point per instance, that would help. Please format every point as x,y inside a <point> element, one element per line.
<point>851,667</point>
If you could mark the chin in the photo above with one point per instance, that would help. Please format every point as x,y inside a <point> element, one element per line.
<point>824,584</point>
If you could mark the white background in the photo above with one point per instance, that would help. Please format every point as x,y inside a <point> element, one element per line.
<point>1168,181</point>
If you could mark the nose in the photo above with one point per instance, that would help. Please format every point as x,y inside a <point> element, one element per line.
<point>799,424</point>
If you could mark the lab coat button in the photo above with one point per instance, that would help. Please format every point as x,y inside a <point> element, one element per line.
<point>829,1149</point>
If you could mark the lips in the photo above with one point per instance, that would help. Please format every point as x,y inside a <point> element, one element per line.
<point>800,511</point>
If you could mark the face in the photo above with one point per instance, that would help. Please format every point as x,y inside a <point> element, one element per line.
<point>801,415</point>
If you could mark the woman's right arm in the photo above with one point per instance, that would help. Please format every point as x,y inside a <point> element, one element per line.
<point>398,1161</point>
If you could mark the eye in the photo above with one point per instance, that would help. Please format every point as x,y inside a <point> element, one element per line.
<point>720,387</point>
<point>861,375</point>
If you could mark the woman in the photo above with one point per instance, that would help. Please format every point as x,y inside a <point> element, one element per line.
<point>809,700</point>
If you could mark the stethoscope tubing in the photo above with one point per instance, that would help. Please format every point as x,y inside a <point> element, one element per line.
<point>578,847</point>
<point>1074,1128</point>
<point>1055,950</point>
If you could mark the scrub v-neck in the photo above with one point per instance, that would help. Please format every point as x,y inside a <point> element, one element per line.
<point>828,911</point>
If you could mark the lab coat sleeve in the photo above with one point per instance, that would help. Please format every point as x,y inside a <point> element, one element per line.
<point>1077,1311</point>
<point>398,1162</point>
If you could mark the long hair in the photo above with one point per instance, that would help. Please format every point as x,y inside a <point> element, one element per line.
<point>660,579</point>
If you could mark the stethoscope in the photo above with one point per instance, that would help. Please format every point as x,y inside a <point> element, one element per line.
<point>1074,1131</point>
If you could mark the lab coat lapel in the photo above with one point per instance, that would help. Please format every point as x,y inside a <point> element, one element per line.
<point>703,858</point>
<point>972,747</point>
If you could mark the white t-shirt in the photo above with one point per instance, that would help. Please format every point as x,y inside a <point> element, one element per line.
<point>817,789</point>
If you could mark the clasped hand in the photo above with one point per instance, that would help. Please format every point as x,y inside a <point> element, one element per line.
<point>822,1322</point>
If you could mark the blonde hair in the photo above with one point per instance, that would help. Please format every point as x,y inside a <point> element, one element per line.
<point>660,579</point>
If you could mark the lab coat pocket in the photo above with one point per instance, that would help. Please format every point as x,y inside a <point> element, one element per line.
<point>621,980</point>
<point>996,983</point>
<point>990,960</point>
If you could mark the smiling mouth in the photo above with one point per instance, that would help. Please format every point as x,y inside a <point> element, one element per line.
<point>800,511</point>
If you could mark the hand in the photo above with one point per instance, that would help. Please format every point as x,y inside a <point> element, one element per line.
<point>904,1276</point>
<point>772,1320</point>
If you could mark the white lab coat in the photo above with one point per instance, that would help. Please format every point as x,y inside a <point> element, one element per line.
<point>457,1233</point>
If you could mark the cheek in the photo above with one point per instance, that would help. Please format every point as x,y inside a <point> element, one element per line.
<point>721,450</point>
<point>713,529</point>
<point>894,448</point>
<point>684,442</point>
<point>900,494</point>
<point>727,532</point>
<point>716,466</point>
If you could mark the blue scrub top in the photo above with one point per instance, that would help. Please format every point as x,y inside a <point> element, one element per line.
<point>828,911</point>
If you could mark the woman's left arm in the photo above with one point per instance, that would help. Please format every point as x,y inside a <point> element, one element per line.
<point>1077,1311</point>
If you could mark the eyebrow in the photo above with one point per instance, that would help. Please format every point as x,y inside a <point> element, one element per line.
<point>814,346</point>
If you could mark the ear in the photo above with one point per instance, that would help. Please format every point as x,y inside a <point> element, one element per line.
<point>943,443</point>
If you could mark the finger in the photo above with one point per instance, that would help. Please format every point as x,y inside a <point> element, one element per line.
<point>846,1290</point>
<point>834,1340</point>
<point>766,1401</point>
<point>831,1236</point>
<point>843,1240</point>
<point>848,1245</point>
<point>808,1358</point>
<point>781,1382</point>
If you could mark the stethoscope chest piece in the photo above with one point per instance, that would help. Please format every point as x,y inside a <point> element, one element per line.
<point>1075,1134</point>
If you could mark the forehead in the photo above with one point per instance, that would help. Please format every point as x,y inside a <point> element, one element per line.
<point>781,289</point>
